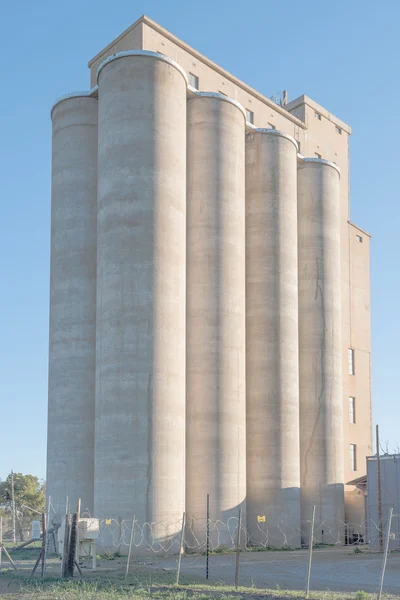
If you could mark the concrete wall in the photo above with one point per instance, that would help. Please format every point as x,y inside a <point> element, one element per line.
<point>215,346</point>
<point>390,498</point>
<point>70,443</point>
<point>140,355</point>
<point>272,361</point>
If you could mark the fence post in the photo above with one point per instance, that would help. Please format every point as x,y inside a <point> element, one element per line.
<point>43,550</point>
<point>208,534</point>
<point>45,537</point>
<point>310,549</point>
<point>385,554</point>
<point>238,550</point>
<point>130,549</point>
<point>1,540</point>
<point>181,548</point>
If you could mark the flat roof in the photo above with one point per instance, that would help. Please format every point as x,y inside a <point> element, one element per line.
<point>147,21</point>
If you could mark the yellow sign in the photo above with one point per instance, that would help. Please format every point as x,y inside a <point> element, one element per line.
<point>108,521</point>
<point>261,518</point>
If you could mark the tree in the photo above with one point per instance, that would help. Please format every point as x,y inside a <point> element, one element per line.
<point>29,493</point>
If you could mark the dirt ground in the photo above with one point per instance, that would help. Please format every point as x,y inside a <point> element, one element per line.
<point>333,569</point>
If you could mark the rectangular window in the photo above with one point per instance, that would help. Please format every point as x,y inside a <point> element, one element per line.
<point>353,457</point>
<point>318,155</point>
<point>338,129</point>
<point>194,81</point>
<point>317,115</point>
<point>299,146</point>
<point>359,238</point>
<point>271,126</point>
<point>250,116</point>
<point>350,361</point>
<point>352,409</point>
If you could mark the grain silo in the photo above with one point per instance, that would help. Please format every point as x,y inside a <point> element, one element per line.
<point>272,368</point>
<point>72,302</point>
<point>141,275</point>
<point>320,348</point>
<point>215,341</point>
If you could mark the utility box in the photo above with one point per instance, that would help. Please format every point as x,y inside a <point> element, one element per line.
<point>88,532</point>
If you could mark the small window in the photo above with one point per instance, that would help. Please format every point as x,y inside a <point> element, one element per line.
<point>194,81</point>
<point>271,126</point>
<point>350,361</point>
<point>353,457</point>
<point>317,115</point>
<point>338,129</point>
<point>250,116</point>
<point>359,238</point>
<point>299,146</point>
<point>352,409</point>
<point>318,155</point>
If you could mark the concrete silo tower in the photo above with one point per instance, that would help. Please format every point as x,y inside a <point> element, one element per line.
<point>272,367</point>
<point>320,348</point>
<point>141,282</point>
<point>71,407</point>
<point>215,346</point>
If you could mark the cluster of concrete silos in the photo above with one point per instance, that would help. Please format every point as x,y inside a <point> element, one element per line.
<point>195,322</point>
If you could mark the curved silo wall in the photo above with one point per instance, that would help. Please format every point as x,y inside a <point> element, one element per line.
<point>272,368</point>
<point>72,336</point>
<point>140,379</point>
<point>320,348</point>
<point>216,445</point>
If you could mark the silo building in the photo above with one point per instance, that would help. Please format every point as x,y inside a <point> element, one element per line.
<point>209,303</point>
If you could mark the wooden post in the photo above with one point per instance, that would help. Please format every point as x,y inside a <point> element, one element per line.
<point>310,549</point>
<point>67,534</point>
<point>72,546</point>
<point>238,550</point>
<point>378,469</point>
<point>178,573</point>
<point>130,549</point>
<point>43,550</point>
<point>45,533</point>
<point>9,558</point>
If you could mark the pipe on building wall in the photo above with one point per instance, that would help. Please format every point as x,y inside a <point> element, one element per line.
<point>140,364</point>
<point>215,341</point>
<point>71,408</point>
<point>320,348</point>
<point>272,365</point>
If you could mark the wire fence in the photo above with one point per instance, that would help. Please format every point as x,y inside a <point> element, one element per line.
<point>201,540</point>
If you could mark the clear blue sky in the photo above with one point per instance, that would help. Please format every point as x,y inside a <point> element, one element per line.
<point>345,55</point>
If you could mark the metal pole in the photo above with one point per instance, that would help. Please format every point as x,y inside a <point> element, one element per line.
<point>378,467</point>
<point>13,506</point>
<point>310,549</point>
<point>208,534</point>
<point>181,548</point>
<point>1,540</point>
<point>130,549</point>
<point>386,553</point>
<point>238,550</point>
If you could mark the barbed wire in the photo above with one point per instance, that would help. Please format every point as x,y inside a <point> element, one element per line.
<point>157,538</point>
<point>115,534</point>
